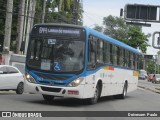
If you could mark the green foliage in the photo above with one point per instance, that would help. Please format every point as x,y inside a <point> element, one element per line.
<point>98,28</point>
<point>52,16</point>
<point>129,34</point>
<point>2,16</point>
<point>150,66</point>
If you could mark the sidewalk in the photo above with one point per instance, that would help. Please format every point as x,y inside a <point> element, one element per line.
<point>149,86</point>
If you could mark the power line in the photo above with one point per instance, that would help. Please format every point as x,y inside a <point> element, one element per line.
<point>90,18</point>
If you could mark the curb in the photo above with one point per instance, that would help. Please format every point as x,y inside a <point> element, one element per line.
<point>156,89</point>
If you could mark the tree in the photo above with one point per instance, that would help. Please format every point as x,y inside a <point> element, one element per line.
<point>129,34</point>
<point>66,11</point>
<point>150,66</point>
<point>8,25</point>
<point>2,21</point>
<point>98,28</point>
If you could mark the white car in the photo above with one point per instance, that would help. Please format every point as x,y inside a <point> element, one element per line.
<point>11,79</point>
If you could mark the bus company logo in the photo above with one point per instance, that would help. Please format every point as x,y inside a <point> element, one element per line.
<point>6,114</point>
<point>43,30</point>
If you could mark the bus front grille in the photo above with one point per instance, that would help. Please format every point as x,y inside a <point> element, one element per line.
<point>48,83</point>
<point>48,89</point>
<point>52,77</point>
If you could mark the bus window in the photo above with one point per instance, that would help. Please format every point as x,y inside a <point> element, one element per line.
<point>121,59</point>
<point>114,54</point>
<point>100,51</point>
<point>106,52</point>
<point>131,60</point>
<point>126,58</point>
<point>135,61</point>
<point>118,55</point>
<point>111,54</point>
<point>91,53</point>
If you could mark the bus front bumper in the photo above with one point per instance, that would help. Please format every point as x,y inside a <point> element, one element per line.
<point>74,92</point>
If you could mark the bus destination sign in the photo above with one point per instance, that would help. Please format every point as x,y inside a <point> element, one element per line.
<point>56,31</point>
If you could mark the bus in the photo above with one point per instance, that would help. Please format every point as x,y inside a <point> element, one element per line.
<point>78,62</point>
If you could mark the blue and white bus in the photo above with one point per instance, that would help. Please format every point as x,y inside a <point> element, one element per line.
<point>78,62</point>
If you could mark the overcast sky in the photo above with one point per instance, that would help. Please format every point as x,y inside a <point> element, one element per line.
<point>95,10</point>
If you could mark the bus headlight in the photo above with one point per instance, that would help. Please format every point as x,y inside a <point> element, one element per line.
<point>29,78</point>
<point>76,82</point>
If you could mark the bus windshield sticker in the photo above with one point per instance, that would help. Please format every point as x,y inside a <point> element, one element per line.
<point>51,41</point>
<point>45,64</point>
<point>57,66</point>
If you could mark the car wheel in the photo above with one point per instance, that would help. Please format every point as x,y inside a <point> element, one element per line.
<point>48,97</point>
<point>20,88</point>
<point>95,97</point>
<point>124,92</point>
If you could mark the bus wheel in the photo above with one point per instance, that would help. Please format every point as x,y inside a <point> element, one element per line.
<point>95,97</point>
<point>20,88</point>
<point>48,97</point>
<point>124,93</point>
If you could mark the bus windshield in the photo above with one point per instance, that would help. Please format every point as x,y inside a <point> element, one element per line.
<point>58,54</point>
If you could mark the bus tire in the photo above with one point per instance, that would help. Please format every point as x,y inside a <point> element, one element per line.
<point>124,93</point>
<point>20,88</point>
<point>48,97</point>
<point>94,100</point>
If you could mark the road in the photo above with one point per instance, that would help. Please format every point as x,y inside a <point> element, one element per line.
<point>149,86</point>
<point>139,100</point>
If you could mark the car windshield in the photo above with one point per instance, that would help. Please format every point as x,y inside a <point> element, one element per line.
<point>143,72</point>
<point>56,54</point>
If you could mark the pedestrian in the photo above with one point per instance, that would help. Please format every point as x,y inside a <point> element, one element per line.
<point>2,60</point>
<point>22,47</point>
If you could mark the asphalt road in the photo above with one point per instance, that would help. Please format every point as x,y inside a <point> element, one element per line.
<point>149,85</point>
<point>139,100</point>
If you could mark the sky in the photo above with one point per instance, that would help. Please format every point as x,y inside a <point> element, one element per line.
<point>95,10</point>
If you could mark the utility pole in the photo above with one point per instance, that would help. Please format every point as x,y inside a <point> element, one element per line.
<point>44,10</point>
<point>25,22</point>
<point>33,12</point>
<point>75,12</point>
<point>8,25</point>
<point>60,5</point>
<point>28,25</point>
<point>20,25</point>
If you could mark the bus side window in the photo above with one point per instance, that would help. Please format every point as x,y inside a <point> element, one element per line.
<point>106,52</point>
<point>100,51</point>
<point>135,61</point>
<point>111,54</point>
<point>121,57</point>
<point>91,54</point>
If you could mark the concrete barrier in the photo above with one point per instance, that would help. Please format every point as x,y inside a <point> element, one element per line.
<point>18,61</point>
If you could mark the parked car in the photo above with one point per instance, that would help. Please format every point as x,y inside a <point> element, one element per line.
<point>143,73</point>
<point>11,79</point>
<point>156,78</point>
<point>150,77</point>
<point>141,77</point>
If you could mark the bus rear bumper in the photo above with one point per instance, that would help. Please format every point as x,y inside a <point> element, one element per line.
<point>74,92</point>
